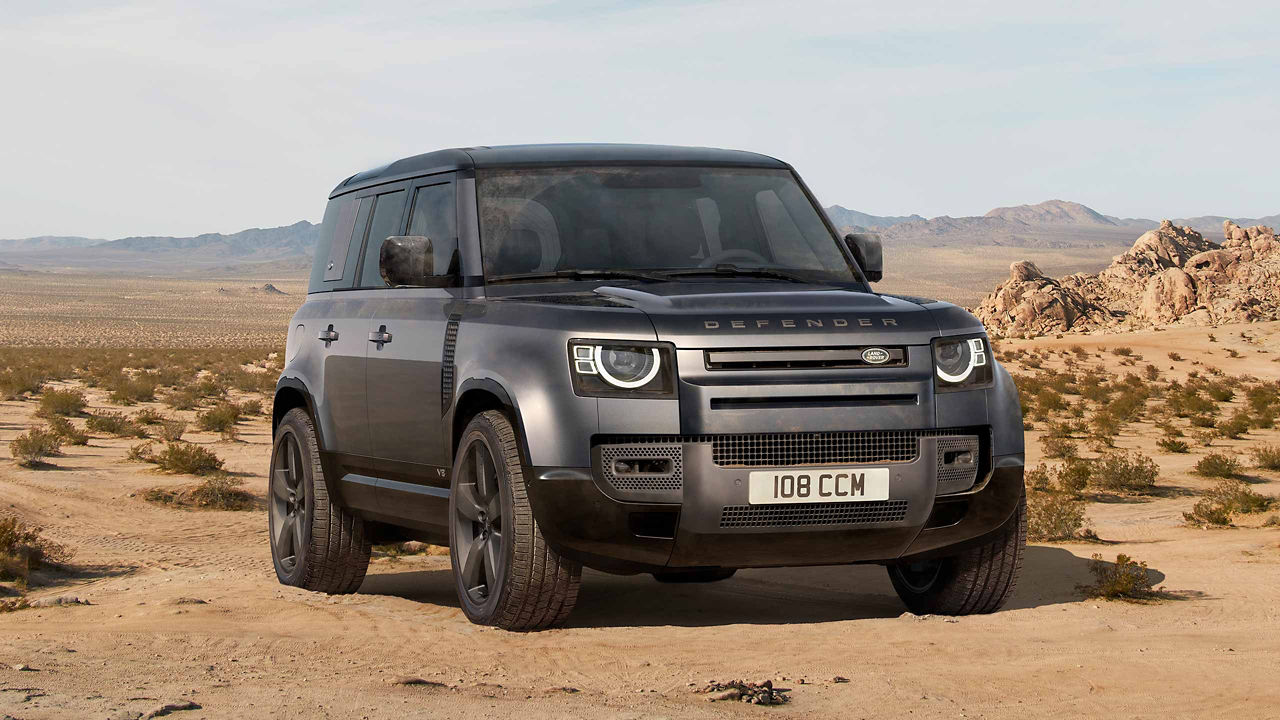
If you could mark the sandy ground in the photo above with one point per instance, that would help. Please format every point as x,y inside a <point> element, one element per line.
<point>185,607</point>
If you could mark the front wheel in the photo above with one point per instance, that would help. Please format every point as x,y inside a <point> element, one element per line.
<point>506,574</point>
<point>977,580</point>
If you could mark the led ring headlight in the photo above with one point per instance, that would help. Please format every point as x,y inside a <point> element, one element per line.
<point>955,361</point>
<point>625,367</point>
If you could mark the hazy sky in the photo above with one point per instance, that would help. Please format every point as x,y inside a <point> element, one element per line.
<point>180,118</point>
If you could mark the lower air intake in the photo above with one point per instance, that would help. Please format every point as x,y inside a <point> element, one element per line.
<point>855,513</point>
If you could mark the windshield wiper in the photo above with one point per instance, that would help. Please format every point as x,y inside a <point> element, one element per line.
<point>724,270</point>
<point>577,275</point>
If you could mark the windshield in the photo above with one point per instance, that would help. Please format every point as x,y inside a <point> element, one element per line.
<point>647,221</point>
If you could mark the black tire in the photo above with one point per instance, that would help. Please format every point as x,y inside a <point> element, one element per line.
<point>977,580</point>
<point>315,544</point>
<point>505,573</point>
<point>701,575</point>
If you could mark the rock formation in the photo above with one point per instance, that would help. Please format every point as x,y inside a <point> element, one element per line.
<point>1171,275</point>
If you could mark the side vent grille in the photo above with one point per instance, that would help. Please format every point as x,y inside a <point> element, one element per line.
<point>446,364</point>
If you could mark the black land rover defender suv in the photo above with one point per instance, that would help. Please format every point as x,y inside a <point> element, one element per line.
<point>640,359</point>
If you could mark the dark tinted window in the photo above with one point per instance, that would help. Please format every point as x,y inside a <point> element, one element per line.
<point>387,212</point>
<point>434,216</point>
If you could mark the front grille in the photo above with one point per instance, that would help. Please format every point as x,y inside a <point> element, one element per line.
<point>850,513</point>
<point>823,448</point>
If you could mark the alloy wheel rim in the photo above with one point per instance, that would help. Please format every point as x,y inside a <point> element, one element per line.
<point>288,503</point>
<point>479,529</point>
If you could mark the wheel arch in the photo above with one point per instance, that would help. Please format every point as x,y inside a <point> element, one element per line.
<point>478,395</point>
<point>292,393</point>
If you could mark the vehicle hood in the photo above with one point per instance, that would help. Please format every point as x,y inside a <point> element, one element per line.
<point>722,315</point>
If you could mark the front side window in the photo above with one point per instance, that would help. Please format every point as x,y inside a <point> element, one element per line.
<point>434,216</point>
<point>387,212</point>
<point>653,219</point>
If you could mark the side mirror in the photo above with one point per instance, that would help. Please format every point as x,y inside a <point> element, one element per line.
<point>406,260</point>
<point>869,253</point>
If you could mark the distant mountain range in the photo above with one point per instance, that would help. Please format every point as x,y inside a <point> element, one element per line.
<point>286,250</point>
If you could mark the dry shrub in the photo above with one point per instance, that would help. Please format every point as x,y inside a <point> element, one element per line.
<point>149,416</point>
<point>1175,357</point>
<point>1126,579</point>
<point>1059,447</point>
<point>69,433</point>
<point>1122,351</point>
<point>17,382</point>
<point>182,399</point>
<point>33,446</point>
<point>1054,516</point>
<point>1227,498</point>
<point>1267,457</point>
<point>1204,437</point>
<point>182,457</point>
<point>23,548</point>
<point>141,452</point>
<point>219,492</point>
<point>220,418</point>
<point>115,423</point>
<point>171,430</point>
<point>1238,425</point>
<point>1173,445</point>
<point>127,390</point>
<point>1218,465</point>
<point>1124,471</point>
<point>250,407</point>
<point>61,402</point>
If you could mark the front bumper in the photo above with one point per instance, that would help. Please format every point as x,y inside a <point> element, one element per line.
<point>705,520</point>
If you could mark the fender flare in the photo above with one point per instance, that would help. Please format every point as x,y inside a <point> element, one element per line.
<point>508,400</point>
<point>297,385</point>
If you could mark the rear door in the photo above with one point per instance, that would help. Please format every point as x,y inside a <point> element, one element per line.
<point>404,375</point>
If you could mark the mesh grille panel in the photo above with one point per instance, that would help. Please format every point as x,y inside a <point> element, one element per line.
<point>667,482</point>
<point>789,449</point>
<point>952,478</point>
<point>850,513</point>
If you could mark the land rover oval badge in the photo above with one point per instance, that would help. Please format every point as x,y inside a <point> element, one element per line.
<point>875,356</point>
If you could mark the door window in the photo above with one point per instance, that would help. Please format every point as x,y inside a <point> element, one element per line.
<point>388,210</point>
<point>434,216</point>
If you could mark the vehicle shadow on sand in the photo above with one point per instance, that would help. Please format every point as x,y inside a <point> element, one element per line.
<point>1050,576</point>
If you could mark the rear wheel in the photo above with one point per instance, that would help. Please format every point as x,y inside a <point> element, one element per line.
<point>315,544</point>
<point>505,573</point>
<point>977,580</point>
<point>700,575</point>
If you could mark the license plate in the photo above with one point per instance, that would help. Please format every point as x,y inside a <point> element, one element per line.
<point>810,485</point>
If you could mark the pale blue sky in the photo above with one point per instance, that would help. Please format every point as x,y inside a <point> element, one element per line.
<point>179,118</point>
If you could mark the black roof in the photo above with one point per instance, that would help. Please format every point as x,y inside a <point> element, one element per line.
<point>553,155</point>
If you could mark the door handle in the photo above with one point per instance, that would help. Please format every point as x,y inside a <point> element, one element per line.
<point>381,336</point>
<point>328,336</point>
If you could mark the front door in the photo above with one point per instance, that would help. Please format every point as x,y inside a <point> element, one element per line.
<point>404,374</point>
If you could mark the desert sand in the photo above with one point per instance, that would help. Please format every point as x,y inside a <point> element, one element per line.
<point>185,607</point>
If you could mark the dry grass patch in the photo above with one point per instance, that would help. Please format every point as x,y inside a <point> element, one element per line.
<point>116,424</point>
<point>219,492</point>
<point>187,458</point>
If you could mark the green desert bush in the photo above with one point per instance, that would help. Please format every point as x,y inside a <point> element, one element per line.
<point>61,402</point>
<point>1218,465</point>
<point>68,432</point>
<point>188,458</point>
<point>1124,471</point>
<point>1267,457</point>
<point>115,423</point>
<point>1173,445</point>
<point>33,446</point>
<point>1236,426</point>
<point>1125,579</point>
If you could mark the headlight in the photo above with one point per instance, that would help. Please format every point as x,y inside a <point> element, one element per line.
<point>961,363</point>
<point>614,369</point>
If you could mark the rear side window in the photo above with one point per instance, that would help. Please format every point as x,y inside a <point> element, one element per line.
<point>434,216</point>
<point>388,211</point>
